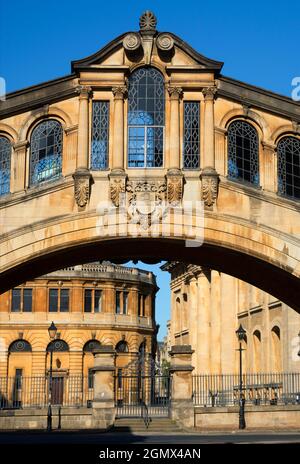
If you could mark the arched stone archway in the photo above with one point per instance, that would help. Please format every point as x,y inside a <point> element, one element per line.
<point>268,259</point>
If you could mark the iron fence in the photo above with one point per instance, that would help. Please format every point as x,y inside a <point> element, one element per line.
<point>34,392</point>
<point>257,389</point>
<point>142,396</point>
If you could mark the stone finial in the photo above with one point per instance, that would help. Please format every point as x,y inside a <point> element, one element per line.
<point>148,22</point>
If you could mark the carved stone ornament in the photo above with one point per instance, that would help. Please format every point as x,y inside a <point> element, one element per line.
<point>174,187</point>
<point>146,202</point>
<point>175,92</point>
<point>117,186</point>
<point>210,184</point>
<point>209,93</point>
<point>148,21</point>
<point>82,186</point>
<point>120,92</point>
<point>164,42</point>
<point>132,42</point>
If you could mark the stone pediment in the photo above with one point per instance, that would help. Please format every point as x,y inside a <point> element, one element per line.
<point>143,46</point>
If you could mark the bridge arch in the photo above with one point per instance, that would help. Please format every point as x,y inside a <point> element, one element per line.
<point>263,257</point>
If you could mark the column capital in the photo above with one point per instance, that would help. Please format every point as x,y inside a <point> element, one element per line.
<point>84,91</point>
<point>19,146</point>
<point>175,92</point>
<point>268,146</point>
<point>209,93</point>
<point>120,92</point>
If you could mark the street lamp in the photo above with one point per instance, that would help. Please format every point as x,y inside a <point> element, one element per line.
<point>52,334</point>
<point>241,333</point>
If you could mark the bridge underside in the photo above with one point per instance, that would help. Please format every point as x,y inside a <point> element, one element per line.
<point>269,277</point>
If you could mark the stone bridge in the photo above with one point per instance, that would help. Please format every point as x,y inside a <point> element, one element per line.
<point>146,151</point>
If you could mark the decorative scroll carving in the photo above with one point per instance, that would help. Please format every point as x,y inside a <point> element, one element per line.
<point>148,21</point>
<point>132,42</point>
<point>165,42</point>
<point>146,202</point>
<point>117,185</point>
<point>82,186</point>
<point>210,184</point>
<point>175,181</point>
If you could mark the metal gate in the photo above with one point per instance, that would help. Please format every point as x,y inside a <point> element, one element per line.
<point>141,390</point>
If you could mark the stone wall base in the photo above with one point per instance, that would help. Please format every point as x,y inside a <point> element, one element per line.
<point>257,417</point>
<point>36,419</point>
<point>183,413</point>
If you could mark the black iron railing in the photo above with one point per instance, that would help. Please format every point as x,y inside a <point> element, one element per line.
<point>258,389</point>
<point>26,392</point>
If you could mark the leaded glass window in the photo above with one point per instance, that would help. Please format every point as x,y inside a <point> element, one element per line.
<point>46,152</point>
<point>146,118</point>
<point>57,345</point>
<point>191,134</point>
<point>288,150</point>
<point>122,347</point>
<point>53,300</point>
<point>5,154</point>
<point>100,134</point>
<point>243,161</point>
<point>19,346</point>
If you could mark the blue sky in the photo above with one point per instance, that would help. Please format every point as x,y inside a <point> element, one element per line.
<point>258,42</point>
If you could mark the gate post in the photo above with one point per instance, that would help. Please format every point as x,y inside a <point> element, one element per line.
<point>182,407</point>
<point>103,402</point>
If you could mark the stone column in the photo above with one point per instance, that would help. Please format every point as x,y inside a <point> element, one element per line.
<point>82,177</point>
<point>269,177</point>
<point>174,175</point>
<point>103,402</point>
<point>193,316</point>
<point>18,181</point>
<point>118,176</point>
<point>215,323</point>
<point>203,322</point>
<point>182,407</point>
<point>83,127</point>
<point>209,175</point>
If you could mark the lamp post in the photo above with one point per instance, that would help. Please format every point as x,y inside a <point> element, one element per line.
<point>240,332</point>
<point>52,334</point>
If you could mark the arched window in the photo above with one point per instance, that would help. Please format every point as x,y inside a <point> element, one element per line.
<point>91,345</point>
<point>276,360</point>
<point>146,118</point>
<point>5,154</point>
<point>243,161</point>
<point>57,345</point>
<point>288,150</point>
<point>257,350</point>
<point>122,347</point>
<point>20,346</point>
<point>46,152</point>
